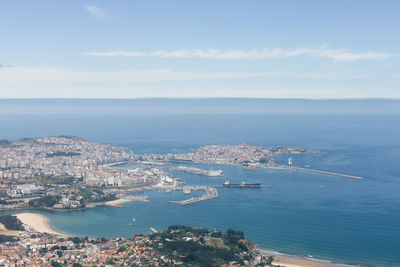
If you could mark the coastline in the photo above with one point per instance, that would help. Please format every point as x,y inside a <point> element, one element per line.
<point>38,222</point>
<point>113,203</point>
<point>117,203</point>
<point>299,261</point>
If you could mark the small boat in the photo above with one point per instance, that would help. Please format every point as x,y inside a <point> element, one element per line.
<point>250,168</point>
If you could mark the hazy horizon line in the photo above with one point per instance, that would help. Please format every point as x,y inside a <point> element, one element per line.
<point>192,98</point>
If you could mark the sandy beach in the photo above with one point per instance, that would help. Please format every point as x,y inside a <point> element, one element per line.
<point>38,222</point>
<point>117,202</point>
<point>297,261</point>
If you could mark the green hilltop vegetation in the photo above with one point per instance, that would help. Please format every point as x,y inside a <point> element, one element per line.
<point>46,201</point>
<point>11,222</point>
<point>201,247</point>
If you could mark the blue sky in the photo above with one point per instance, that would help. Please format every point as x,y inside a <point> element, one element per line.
<point>263,49</point>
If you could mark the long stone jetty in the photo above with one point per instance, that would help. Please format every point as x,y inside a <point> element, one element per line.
<point>326,172</point>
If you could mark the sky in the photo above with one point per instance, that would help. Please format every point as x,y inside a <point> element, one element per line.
<point>225,48</point>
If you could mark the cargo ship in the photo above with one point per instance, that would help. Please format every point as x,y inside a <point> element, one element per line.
<point>227,184</point>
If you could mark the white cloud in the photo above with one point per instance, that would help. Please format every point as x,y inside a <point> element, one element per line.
<point>97,12</point>
<point>323,52</point>
<point>45,82</point>
<point>46,75</point>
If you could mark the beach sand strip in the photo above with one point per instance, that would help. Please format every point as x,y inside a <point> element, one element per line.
<point>38,222</point>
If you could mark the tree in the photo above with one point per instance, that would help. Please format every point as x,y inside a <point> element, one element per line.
<point>56,264</point>
<point>269,260</point>
<point>11,222</point>
<point>47,201</point>
<point>6,238</point>
<point>76,240</point>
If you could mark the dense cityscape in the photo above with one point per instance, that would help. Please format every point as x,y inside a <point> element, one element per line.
<point>243,155</point>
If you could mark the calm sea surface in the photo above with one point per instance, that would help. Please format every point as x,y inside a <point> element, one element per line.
<point>339,219</point>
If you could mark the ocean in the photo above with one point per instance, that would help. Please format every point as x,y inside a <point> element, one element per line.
<point>331,218</point>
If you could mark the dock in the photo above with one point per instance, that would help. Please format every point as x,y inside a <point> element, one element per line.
<point>153,230</point>
<point>326,172</point>
<point>210,194</point>
<point>194,170</point>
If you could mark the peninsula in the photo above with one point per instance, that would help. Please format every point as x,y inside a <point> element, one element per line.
<point>65,173</point>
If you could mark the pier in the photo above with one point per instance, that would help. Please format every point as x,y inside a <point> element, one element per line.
<point>184,188</point>
<point>153,230</point>
<point>210,194</point>
<point>113,164</point>
<point>326,172</point>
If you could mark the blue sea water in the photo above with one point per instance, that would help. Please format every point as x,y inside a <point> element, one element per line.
<point>339,219</point>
